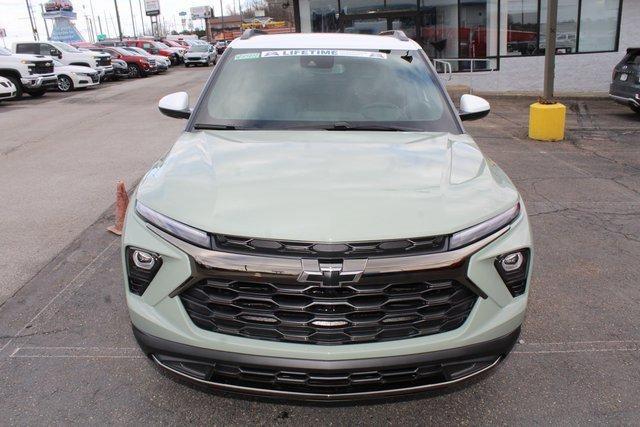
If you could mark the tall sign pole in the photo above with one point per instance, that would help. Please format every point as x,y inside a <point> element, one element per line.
<point>115,2</point>
<point>550,50</point>
<point>46,26</point>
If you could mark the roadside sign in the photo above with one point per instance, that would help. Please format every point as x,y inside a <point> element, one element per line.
<point>152,7</point>
<point>101,37</point>
<point>201,12</point>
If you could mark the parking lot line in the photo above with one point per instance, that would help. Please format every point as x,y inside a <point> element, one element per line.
<point>87,271</point>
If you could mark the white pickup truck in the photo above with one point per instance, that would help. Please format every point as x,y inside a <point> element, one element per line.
<point>32,74</point>
<point>68,55</point>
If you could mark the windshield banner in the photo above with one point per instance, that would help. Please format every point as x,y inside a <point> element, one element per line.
<point>322,52</point>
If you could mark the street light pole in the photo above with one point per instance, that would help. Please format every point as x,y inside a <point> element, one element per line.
<point>46,26</point>
<point>550,51</point>
<point>115,2</point>
<point>33,22</point>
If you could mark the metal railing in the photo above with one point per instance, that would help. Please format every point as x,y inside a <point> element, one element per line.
<point>447,68</point>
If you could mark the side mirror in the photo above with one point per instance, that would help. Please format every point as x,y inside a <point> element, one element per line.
<point>175,105</point>
<point>56,53</point>
<point>473,107</point>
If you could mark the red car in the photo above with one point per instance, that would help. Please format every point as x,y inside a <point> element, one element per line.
<point>139,66</point>
<point>155,48</point>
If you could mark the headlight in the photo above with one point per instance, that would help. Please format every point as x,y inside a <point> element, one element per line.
<point>24,61</point>
<point>477,232</point>
<point>173,227</point>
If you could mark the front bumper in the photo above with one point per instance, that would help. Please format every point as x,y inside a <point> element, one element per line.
<point>196,60</point>
<point>159,314</point>
<point>625,94</point>
<point>105,71</point>
<point>319,380</point>
<point>36,82</point>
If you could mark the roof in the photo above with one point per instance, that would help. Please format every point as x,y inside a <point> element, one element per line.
<point>323,41</point>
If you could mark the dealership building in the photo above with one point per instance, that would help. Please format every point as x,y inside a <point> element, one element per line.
<point>495,45</point>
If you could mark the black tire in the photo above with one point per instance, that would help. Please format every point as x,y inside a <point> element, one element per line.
<point>17,84</point>
<point>36,93</point>
<point>187,65</point>
<point>65,84</point>
<point>134,71</point>
<point>635,108</point>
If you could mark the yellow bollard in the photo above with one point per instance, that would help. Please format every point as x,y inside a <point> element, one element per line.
<point>546,121</point>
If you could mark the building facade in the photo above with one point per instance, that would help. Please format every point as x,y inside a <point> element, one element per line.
<point>495,45</point>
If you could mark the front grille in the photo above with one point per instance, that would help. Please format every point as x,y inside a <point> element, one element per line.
<point>104,62</point>
<point>332,382</point>
<point>152,62</point>
<point>414,246</point>
<point>41,67</point>
<point>380,307</point>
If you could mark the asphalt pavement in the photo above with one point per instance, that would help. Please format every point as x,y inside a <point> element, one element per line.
<point>67,354</point>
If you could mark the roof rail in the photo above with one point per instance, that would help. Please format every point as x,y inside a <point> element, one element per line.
<point>248,33</point>
<point>400,35</point>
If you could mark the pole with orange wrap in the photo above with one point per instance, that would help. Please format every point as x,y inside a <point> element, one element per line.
<point>122,201</point>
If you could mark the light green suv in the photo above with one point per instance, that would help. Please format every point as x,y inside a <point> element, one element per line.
<point>324,229</point>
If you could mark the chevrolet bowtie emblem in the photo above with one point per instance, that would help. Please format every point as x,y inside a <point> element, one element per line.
<point>332,274</point>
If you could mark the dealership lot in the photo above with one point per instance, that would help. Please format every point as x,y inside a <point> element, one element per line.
<point>67,353</point>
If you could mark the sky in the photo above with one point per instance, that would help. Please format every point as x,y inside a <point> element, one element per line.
<point>14,17</point>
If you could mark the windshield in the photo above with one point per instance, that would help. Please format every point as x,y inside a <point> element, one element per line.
<point>326,89</point>
<point>64,47</point>
<point>4,51</point>
<point>200,48</point>
<point>138,51</point>
<point>123,51</point>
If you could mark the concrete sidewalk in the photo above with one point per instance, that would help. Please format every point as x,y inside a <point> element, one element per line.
<point>67,354</point>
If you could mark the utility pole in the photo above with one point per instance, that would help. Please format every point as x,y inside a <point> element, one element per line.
<point>222,19</point>
<point>141,17</point>
<point>550,51</point>
<point>33,23</point>
<point>93,21</point>
<point>132,21</point>
<point>46,26</point>
<point>100,24</point>
<point>115,2</point>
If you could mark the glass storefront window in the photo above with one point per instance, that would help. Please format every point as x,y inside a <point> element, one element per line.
<point>566,33</point>
<point>520,27</point>
<point>598,25</point>
<point>439,28</point>
<point>358,7</point>
<point>366,26</point>
<point>324,16</point>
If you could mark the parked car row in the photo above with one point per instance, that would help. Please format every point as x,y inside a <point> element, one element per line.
<point>35,67</point>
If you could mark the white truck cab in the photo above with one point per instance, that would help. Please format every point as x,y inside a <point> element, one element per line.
<point>32,74</point>
<point>68,55</point>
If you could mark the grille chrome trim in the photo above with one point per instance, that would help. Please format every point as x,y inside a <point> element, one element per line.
<point>252,265</point>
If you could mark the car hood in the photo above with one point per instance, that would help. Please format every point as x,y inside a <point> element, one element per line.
<point>327,186</point>
<point>74,69</point>
<point>20,56</point>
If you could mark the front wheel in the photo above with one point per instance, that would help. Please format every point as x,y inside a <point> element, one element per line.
<point>134,71</point>
<point>65,84</point>
<point>17,84</point>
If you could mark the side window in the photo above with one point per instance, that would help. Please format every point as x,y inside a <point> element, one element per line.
<point>30,48</point>
<point>45,49</point>
<point>146,45</point>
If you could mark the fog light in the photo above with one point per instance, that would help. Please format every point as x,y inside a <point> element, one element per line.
<point>513,269</point>
<point>142,267</point>
<point>143,260</point>
<point>512,262</point>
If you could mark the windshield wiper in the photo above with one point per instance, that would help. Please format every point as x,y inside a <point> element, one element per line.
<point>349,126</point>
<point>205,126</point>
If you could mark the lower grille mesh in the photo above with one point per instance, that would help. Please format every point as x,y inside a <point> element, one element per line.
<point>381,308</point>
